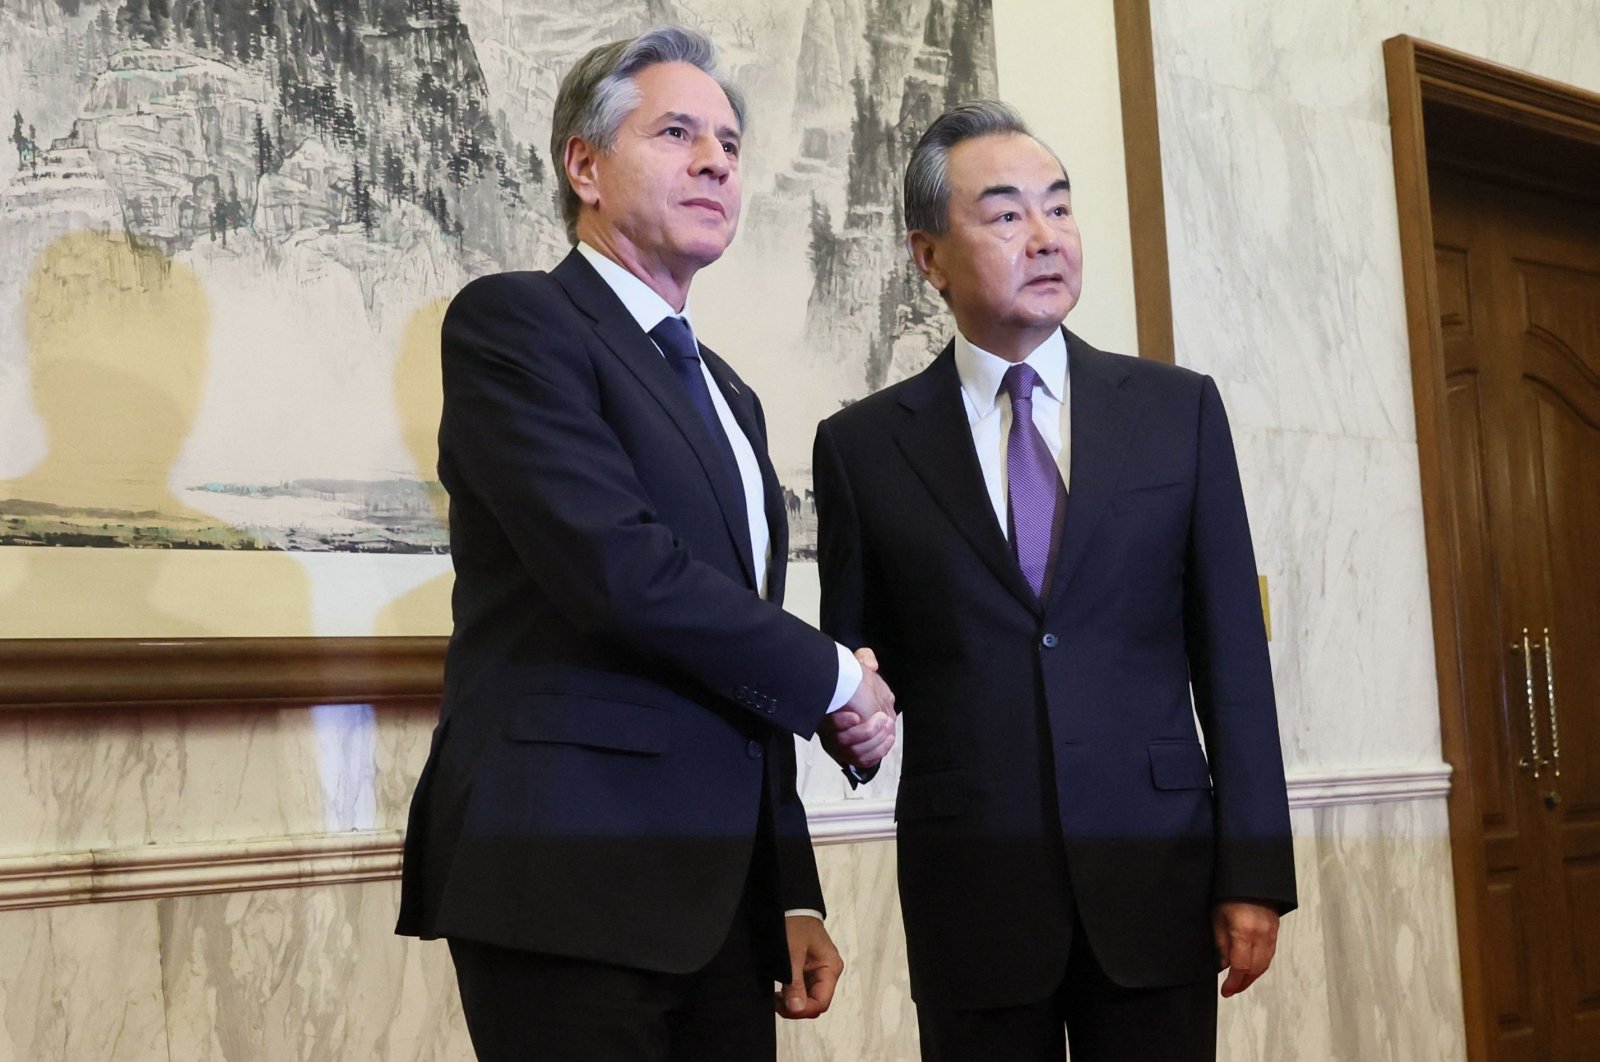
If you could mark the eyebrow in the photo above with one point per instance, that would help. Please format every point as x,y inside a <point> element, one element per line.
<point>724,132</point>
<point>1000,190</point>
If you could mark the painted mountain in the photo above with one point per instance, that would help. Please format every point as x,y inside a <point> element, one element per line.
<point>229,228</point>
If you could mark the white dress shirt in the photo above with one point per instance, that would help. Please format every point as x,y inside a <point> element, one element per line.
<point>989,410</point>
<point>649,309</point>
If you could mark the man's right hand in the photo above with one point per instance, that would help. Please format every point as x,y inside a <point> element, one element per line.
<point>861,733</point>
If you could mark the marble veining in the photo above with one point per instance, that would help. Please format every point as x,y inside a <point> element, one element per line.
<point>80,780</point>
<point>1331,57</point>
<point>1284,250</point>
<point>81,983</point>
<point>1353,608</point>
<point>304,975</point>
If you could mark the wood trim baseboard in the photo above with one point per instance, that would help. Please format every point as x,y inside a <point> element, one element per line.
<point>157,871</point>
<point>40,673</point>
<point>1147,212</point>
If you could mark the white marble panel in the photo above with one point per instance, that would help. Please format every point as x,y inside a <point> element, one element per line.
<point>1261,471</point>
<point>1285,258</point>
<point>72,780</point>
<point>81,983</point>
<point>1284,1016</point>
<point>1387,908</point>
<point>314,975</point>
<point>1351,615</point>
<point>872,1018</point>
<point>1367,967</point>
<point>1330,56</point>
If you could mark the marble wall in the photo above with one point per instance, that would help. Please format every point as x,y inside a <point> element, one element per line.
<point>1284,252</point>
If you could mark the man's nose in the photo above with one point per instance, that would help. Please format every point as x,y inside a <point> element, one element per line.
<point>711,159</point>
<point>1043,239</point>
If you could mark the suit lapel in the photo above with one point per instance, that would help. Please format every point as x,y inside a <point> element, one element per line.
<point>937,442</point>
<point>743,404</point>
<point>617,329</point>
<point>1104,414</point>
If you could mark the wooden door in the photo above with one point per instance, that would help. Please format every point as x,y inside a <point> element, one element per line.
<point>1519,295</point>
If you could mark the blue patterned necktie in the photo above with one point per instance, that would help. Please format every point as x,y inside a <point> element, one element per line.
<point>1034,491</point>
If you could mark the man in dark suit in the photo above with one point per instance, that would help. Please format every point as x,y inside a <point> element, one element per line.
<point>1046,545</point>
<point>607,829</point>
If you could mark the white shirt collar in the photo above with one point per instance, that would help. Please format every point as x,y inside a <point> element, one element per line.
<point>641,300</point>
<point>982,373</point>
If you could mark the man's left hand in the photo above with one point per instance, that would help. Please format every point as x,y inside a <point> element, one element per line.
<point>1247,937</point>
<point>815,966</point>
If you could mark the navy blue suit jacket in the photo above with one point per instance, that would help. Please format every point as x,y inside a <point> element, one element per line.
<point>616,734</point>
<point>1050,750</point>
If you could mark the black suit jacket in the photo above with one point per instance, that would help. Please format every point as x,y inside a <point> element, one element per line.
<point>619,704</point>
<point>1050,750</point>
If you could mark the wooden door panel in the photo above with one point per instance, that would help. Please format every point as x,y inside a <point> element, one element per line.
<point>1480,391</point>
<point>1559,302</point>
<point>1565,413</point>
<point>1583,899</point>
<point>1508,952</point>
<point>1493,756</point>
<point>1556,273</point>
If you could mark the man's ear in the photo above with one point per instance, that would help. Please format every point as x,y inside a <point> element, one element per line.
<point>580,161</point>
<point>923,248</point>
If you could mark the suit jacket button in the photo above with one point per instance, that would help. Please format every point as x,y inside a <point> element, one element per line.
<point>753,749</point>
<point>1049,641</point>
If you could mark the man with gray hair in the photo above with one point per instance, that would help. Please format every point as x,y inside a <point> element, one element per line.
<point>607,829</point>
<point>1046,546</point>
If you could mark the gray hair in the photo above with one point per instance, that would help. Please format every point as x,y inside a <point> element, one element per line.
<point>599,92</point>
<point>927,187</point>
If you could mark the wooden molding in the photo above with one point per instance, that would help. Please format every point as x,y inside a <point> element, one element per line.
<point>163,870</point>
<point>134,672</point>
<point>184,869</point>
<point>1448,76</point>
<point>1141,146</point>
<point>1422,75</point>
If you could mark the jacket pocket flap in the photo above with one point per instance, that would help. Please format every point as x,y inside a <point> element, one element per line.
<point>568,719</point>
<point>939,795</point>
<point>1179,765</point>
<point>1159,494</point>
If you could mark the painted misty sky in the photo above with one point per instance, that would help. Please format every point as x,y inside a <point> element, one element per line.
<point>316,176</point>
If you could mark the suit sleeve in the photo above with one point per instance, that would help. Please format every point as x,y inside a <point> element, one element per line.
<point>840,565</point>
<point>798,884</point>
<point>1231,675</point>
<point>523,431</point>
<point>839,562</point>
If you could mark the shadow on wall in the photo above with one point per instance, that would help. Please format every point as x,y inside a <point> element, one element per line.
<point>117,338</point>
<point>418,399</point>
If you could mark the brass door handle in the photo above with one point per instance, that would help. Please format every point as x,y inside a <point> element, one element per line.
<point>1530,761</point>
<point>1550,690</point>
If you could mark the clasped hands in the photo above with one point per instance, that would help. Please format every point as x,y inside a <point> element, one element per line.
<point>861,733</point>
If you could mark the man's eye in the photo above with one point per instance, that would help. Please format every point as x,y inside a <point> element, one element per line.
<point>676,131</point>
<point>1010,215</point>
<point>730,148</point>
<point>1061,212</point>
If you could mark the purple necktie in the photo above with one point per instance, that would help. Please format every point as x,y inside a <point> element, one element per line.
<point>1033,484</point>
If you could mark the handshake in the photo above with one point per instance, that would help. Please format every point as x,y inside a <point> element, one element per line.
<point>861,733</point>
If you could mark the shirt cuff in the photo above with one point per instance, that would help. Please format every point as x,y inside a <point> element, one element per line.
<point>798,911</point>
<point>849,679</point>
